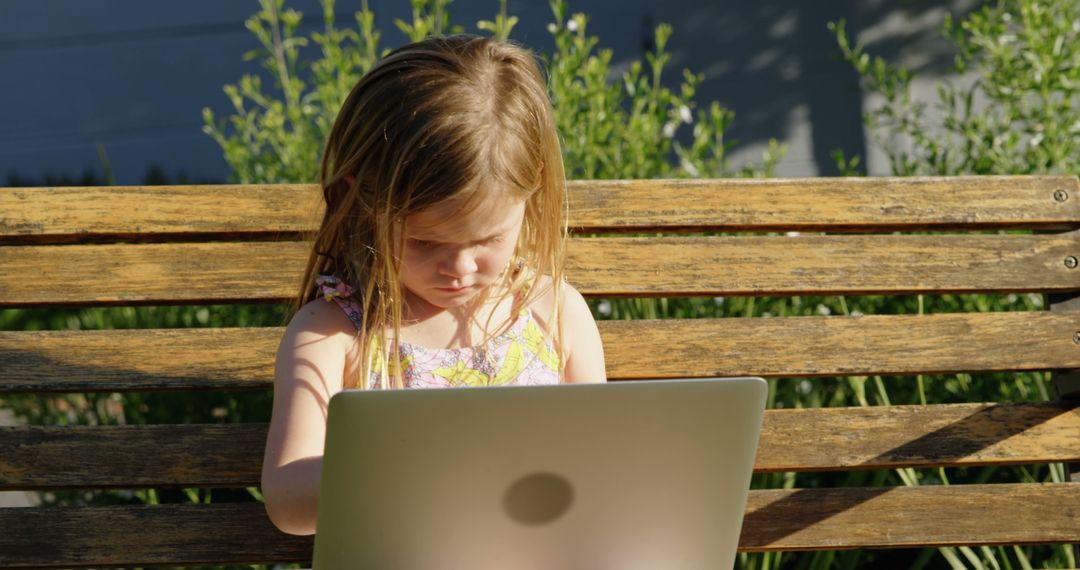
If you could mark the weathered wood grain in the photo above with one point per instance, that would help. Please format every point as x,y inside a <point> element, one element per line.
<point>242,358</point>
<point>799,519</point>
<point>1067,382</point>
<point>131,457</point>
<point>147,359</point>
<point>816,264</point>
<point>836,204</point>
<point>831,346</point>
<point>672,266</point>
<point>221,533</point>
<point>889,517</point>
<point>132,274</point>
<point>56,215</point>
<point>941,435</point>
<point>880,437</point>
<point>61,215</point>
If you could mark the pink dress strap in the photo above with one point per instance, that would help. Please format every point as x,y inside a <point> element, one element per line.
<point>334,289</point>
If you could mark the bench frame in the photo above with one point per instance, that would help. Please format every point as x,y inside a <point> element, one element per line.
<point>134,246</point>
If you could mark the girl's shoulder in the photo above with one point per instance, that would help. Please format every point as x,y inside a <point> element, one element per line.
<point>579,342</point>
<point>316,347</point>
<point>571,303</point>
<point>321,323</point>
<point>539,290</point>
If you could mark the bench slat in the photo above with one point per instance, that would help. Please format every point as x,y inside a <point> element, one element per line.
<point>816,264</point>
<point>887,517</point>
<point>132,274</point>
<point>836,204</point>
<point>672,266</point>
<point>57,215</point>
<point>839,346</point>
<point>797,519</point>
<point>242,358</point>
<point>62,215</point>
<point>139,359</point>
<point>227,533</point>
<point>945,435</point>
<point>939,435</point>
<point>131,457</point>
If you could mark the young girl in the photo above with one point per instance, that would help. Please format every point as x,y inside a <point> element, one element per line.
<point>438,262</point>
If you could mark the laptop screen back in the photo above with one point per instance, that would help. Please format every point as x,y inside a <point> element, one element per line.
<point>625,475</point>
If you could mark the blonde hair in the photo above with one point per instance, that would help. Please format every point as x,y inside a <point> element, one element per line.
<point>440,119</point>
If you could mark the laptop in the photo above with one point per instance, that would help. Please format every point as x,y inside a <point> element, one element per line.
<point>630,475</point>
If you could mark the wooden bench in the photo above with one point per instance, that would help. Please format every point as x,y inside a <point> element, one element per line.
<point>77,247</point>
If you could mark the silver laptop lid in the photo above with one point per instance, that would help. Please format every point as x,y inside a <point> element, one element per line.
<point>626,475</point>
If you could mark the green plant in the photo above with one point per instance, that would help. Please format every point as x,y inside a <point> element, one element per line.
<point>624,128</point>
<point>1020,112</point>
<point>627,128</point>
<point>268,139</point>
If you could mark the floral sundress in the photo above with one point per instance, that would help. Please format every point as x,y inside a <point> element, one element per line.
<point>520,356</point>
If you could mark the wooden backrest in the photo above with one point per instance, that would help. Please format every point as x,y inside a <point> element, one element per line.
<point>122,246</point>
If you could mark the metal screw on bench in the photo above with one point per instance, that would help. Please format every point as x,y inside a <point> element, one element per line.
<point>1061,195</point>
<point>1070,262</point>
<point>1076,337</point>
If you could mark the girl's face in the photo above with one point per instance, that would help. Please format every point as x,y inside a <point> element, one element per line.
<point>449,258</point>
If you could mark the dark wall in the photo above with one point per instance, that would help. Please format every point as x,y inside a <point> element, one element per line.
<point>131,76</point>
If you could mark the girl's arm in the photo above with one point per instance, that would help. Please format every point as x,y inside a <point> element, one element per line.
<point>309,369</point>
<point>583,351</point>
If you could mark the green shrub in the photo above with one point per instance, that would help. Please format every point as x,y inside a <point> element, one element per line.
<point>610,129</point>
<point>1020,114</point>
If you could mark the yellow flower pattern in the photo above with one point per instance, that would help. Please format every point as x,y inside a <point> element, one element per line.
<point>521,356</point>
<point>460,374</point>
<point>540,346</point>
